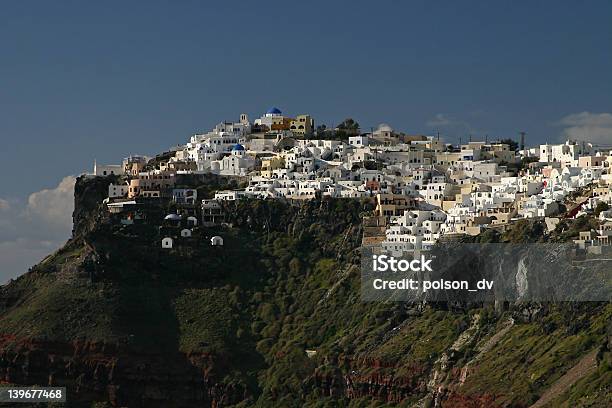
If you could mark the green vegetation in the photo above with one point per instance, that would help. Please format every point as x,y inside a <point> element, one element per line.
<point>49,307</point>
<point>533,355</point>
<point>207,320</point>
<point>570,229</point>
<point>601,207</point>
<point>348,127</point>
<point>592,390</point>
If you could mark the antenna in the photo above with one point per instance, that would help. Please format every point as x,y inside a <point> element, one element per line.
<point>522,140</point>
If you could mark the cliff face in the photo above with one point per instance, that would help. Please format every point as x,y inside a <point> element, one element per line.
<point>88,208</point>
<point>116,319</point>
<point>98,371</point>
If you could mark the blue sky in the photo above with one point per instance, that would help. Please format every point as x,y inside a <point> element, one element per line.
<point>103,80</point>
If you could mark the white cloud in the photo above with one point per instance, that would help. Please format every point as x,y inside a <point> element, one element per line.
<point>440,120</point>
<point>449,124</point>
<point>587,126</point>
<point>32,229</point>
<point>53,206</point>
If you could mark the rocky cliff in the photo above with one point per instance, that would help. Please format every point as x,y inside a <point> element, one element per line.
<point>273,318</point>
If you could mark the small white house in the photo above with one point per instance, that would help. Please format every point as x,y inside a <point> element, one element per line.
<point>107,169</point>
<point>216,241</point>
<point>186,233</point>
<point>167,243</point>
<point>359,141</point>
<point>192,221</point>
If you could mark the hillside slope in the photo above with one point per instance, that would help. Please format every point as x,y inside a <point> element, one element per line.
<point>122,322</point>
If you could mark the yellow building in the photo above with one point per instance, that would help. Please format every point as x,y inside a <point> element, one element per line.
<point>447,158</point>
<point>388,205</point>
<point>280,123</point>
<point>302,125</point>
<point>270,164</point>
<point>500,152</point>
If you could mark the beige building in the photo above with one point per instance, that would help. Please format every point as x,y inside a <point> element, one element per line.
<point>500,152</point>
<point>388,205</point>
<point>150,184</point>
<point>501,215</point>
<point>447,158</point>
<point>591,161</point>
<point>302,125</point>
<point>385,135</point>
<point>374,229</point>
<point>270,164</point>
<point>134,168</point>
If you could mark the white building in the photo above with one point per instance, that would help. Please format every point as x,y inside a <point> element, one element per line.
<point>273,116</point>
<point>414,230</point>
<point>238,163</point>
<point>359,141</point>
<point>566,153</point>
<point>107,169</point>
